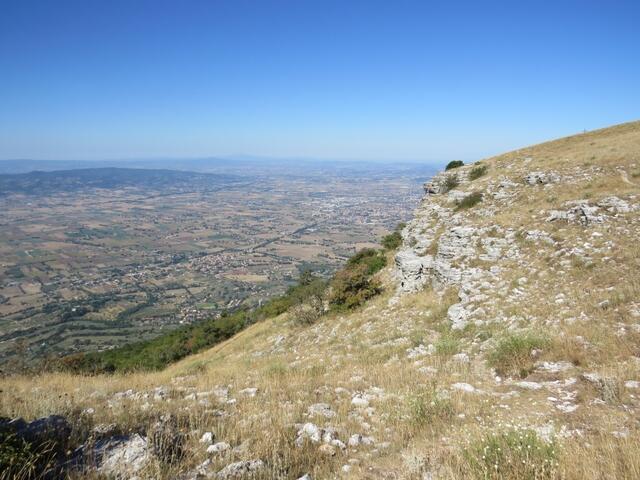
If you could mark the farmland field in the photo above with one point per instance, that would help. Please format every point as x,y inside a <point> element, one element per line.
<point>100,265</point>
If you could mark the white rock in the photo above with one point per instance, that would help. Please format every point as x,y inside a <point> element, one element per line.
<point>528,385</point>
<point>322,409</point>
<point>218,447</point>
<point>249,392</point>
<point>123,458</point>
<point>461,357</point>
<point>359,400</point>
<point>241,470</point>
<point>310,431</point>
<point>207,437</point>
<point>464,387</point>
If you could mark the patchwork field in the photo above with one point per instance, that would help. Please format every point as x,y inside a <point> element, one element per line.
<point>93,268</point>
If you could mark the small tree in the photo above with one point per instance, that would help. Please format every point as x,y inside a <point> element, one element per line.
<point>454,164</point>
<point>352,286</point>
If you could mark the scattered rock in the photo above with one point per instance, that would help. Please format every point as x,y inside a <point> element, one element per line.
<point>244,469</point>
<point>541,178</point>
<point>218,447</point>
<point>322,409</point>
<point>464,387</point>
<point>249,392</point>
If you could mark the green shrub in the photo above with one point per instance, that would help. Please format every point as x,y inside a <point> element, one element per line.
<point>515,454</point>
<point>451,182</point>
<point>427,407</point>
<point>470,200</point>
<point>393,240</point>
<point>351,286</point>
<point>512,354</point>
<point>454,164</point>
<point>447,345</point>
<point>372,259</point>
<point>477,172</point>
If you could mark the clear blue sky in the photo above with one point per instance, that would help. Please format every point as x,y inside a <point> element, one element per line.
<point>416,80</point>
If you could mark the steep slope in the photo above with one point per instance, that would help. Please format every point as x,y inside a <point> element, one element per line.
<point>506,345</point>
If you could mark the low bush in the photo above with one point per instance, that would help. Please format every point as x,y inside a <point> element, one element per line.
<point>393,240</point>
<point>514,454</point>
<point>447,345</point>
<point>477,172</point>
<point>307,313</point>
<point>429,406</point>
<point>469,201</point>
<point>372,259</point>
<point>454,164</point>
<point>352,286</point>
<point>512,354</point>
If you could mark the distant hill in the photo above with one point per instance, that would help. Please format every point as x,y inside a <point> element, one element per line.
<point>39,183</point>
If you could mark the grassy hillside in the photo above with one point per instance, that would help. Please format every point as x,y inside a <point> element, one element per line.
<point>505,343</point>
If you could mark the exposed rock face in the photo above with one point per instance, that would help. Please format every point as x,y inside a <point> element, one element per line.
<point>579,211</point>
<point>413,269</point>
<point>439,182</point>
<point>53,428</point>
<point>616,205</point>
<point>119,457</point>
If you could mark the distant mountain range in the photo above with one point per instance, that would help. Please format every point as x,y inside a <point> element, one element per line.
<point>236,165</point>
<point>41,182</point>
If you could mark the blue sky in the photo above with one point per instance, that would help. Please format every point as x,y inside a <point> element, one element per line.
<point>421,80</point>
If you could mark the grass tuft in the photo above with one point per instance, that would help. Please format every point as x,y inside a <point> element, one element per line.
<point>513,353</point>
<point>469,201</point>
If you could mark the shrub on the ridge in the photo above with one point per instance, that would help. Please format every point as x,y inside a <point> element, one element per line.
<point>454,164</point>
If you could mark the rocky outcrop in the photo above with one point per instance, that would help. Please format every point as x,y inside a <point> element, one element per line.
<point>579,211</point>
<point>119,457</point>
<point>541,178</point>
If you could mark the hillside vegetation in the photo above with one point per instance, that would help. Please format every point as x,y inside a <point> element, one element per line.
<point>501,340</point>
